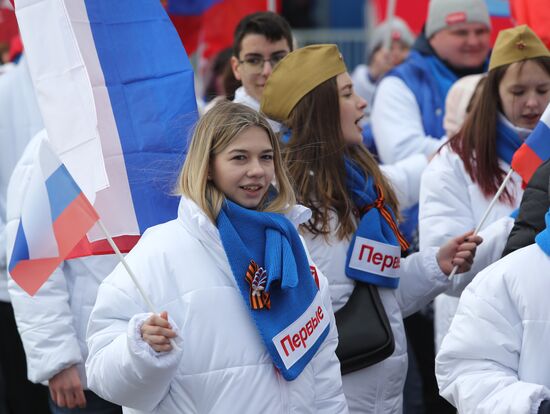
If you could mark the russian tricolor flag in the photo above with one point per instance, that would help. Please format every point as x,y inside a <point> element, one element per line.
<point>116,91</point>
<point>55,216</point>
<point>535,150</point>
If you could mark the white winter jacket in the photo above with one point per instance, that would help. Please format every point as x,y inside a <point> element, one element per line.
<point>495,357</point>
<point>20,120</point>
<point>452,204</point>
<point>378,388</point>
<point>397,123</point>
<point>52,323</point>
<point>242,97</point>
<point>221,364</point>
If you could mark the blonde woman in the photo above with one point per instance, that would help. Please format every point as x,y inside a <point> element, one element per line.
<point>245,326</point>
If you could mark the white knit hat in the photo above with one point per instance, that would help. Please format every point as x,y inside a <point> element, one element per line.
<point>399,31</point>
<point>443,14</point>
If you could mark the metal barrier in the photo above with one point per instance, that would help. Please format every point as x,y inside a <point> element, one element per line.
<point>352,43</point>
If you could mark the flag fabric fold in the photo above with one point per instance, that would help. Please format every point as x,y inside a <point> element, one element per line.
<point>55,216</point>
<point>535,150</point>
<point>115,71</point>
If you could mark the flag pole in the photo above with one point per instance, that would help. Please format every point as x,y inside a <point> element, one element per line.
<point>125,264</point>
<point>132,275</point>
<point>390,13</point>
<point>488,210</point>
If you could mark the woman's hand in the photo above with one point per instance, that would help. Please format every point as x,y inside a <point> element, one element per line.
<point>66,389</point>
<point>459,251</point>
<point>157,332</point>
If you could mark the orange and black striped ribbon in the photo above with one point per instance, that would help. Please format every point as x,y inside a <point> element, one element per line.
<point>380,205</point>
<point>262,300</point>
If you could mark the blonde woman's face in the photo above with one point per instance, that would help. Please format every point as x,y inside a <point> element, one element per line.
<point>244,170</point>
<point>524,93</point>
<point>351,110</point>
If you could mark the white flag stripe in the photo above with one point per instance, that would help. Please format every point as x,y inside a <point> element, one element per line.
<point>120,220</point>
<point>37,222</point>
<point>57,69</point>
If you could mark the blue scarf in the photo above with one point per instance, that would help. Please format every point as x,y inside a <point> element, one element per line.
<point>508,142</point>
<point>272,271</point>
<point>543,238</point>
<point>375,250</point>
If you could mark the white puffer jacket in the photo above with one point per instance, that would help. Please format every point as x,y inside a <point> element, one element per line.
<point>52,323</point>
<point>378,389</point>
<point>221,364</point>
<point>452,204</point>
<point>20,120</point>
<point>495,357</point>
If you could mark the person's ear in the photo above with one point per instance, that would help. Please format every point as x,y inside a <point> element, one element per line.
<point>235,67</point>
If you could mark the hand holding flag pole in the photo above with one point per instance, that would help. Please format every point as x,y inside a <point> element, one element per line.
<point>148,302</point>
<point>532,153</point>
<point>113,245</point>
<point>54,217</point>
<point>487,211</point>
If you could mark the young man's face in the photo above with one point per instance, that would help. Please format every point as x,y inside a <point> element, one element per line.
<point>465,45</point>
<point>256,60</point>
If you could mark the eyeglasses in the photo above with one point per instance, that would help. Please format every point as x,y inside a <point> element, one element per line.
<point>255,63</point>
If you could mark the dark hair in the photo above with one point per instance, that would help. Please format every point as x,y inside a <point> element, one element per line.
<point>314,157</point>
<point>476,141</point>
<point>218,70</point>
<point>268,24</point>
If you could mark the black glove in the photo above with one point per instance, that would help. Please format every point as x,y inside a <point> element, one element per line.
<point>544,407</point>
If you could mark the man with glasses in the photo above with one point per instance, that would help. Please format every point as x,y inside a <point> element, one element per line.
<point>261,40</point>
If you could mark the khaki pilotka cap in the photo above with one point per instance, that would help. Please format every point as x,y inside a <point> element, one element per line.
<point>297,74</point>
<point>516,44</point>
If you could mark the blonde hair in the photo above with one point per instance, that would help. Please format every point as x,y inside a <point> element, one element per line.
<point>213,133</point>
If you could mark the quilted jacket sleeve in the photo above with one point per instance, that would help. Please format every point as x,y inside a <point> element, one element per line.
<point>446,212</point>
<point>405,176</point>
<point>45,321</point>
<point>478,373</point>
<point>121,367</point>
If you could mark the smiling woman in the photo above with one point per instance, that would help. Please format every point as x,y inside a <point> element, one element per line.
<point>240,303</point>
<point>243,170</point>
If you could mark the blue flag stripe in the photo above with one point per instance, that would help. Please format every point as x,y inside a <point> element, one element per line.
<point>151,88</point>
<point>539,141</point>
<point>190,7</point>
<point>20,248</point>
<point>62,190</point>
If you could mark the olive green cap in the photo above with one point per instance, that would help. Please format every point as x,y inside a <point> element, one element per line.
<point>516,44</point>
<point>296,75</point>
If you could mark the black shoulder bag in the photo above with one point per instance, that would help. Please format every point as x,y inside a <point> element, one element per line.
<point>365,335</point>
